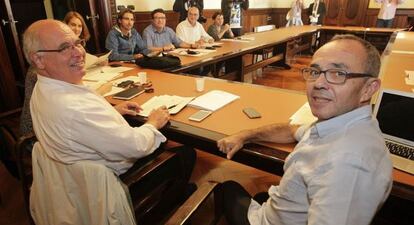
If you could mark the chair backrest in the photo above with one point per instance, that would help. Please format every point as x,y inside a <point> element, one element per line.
<point>7,145</point>
<point>84,192</point>
<point>264,28</point>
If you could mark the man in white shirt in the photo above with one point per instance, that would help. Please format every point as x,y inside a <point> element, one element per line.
<point>191,31</point>
<point>387,12</point>
<point>340,171</point>
<point>71,122</point>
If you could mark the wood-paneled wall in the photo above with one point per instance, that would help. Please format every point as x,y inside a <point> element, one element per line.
<point>277,16</point>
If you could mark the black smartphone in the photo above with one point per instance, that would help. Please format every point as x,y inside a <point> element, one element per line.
<point>210,48</point>
<point>251,113</point>
<point>129,93</point>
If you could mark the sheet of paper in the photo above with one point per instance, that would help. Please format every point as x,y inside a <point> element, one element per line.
<point>213,100</point>
<point>175,102</point>
<point>409,81</point>
<point>92,60</point>
<point>303,116</point>
<point>101,76</point>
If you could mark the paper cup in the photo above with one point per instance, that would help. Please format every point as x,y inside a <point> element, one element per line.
<point>199,84</point>
<point>142,76</point>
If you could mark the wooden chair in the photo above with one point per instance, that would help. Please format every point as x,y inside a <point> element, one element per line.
<point>187,210</point>
<point>8,142</point>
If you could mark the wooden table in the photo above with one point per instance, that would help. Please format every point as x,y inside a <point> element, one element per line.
<point>275,105</point>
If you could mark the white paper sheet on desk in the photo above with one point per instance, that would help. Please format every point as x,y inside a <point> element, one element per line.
<point>303,116</point>
<point>409,81</point>
<point>104,76</point>
<point>155,102</point>
<point>213,100</point>
<point>403,52</point>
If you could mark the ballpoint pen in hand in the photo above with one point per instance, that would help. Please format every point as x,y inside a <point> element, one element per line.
<point>172,106</point>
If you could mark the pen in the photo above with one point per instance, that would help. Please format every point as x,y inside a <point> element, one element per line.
<point>170,107</point>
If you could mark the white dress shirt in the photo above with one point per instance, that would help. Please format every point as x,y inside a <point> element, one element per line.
<point>339,173</point>
<point>73,123</point>
<point>190,34</point>
<point>388,8</point>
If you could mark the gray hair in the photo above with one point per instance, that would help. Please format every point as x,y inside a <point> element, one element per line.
<point>373,58</point>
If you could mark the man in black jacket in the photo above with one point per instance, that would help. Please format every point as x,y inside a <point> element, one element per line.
<point>182,7</point>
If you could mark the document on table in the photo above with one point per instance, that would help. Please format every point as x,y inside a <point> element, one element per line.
<point>174,104</point>
<point>303,116</point>
<point>213,100</point>
<point>196,52</point>
<point>104,73</point>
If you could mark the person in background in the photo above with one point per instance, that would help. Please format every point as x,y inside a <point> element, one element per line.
<point>191,31</point>
<point>77,125</point>
<point>124,40</point>
<point>76,22</point>
<point>317,12</point>
<point>160,38</point>
<point>387,12</point>
<point>294,16</point>
<point>340,171</point>
<point>217,30</point>
<point>233,14</point>
<point>182,6</point>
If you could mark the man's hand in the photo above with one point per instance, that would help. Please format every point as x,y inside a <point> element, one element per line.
<point>128,108</point>
<point>159,117</point>
<point>169,47</point>
<point>231,144</point>
<point>226,27</point>
<point>138,56</point>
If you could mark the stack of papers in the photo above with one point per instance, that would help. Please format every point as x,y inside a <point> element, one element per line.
<point>173,102</point>
<point>303,116</point>
<point>213,100</point>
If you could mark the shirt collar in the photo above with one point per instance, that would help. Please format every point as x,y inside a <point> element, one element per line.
<point>327,127</point>
<point>52,81</point>
<point>154,29</point>
<point>117,28</point>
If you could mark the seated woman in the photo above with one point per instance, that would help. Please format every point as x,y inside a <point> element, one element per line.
<point>217,30</point>
<point>77,24</point>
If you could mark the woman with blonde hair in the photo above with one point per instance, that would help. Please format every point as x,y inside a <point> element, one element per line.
<point>76,22</point>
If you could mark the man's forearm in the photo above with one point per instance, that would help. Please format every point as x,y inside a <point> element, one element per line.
<point>277,133</point>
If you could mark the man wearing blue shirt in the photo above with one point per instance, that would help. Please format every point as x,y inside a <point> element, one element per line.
<point>159,37</point>
<point>340,171</point>
<point>124,41</point>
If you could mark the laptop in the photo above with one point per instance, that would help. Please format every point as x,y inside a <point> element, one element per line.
<point>394,111</point>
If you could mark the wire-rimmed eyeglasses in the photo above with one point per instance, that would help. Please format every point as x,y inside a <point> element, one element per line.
<point>66,47</point>
<point>333,76</point>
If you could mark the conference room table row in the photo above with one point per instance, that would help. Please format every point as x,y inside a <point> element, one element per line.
<point>275,106</point>
<point>232,51</point>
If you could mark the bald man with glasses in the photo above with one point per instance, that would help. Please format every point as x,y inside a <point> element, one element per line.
<point>340,171</point>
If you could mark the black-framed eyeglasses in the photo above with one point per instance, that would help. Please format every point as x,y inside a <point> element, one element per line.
<point>66,47</point>
<point>333,76</point>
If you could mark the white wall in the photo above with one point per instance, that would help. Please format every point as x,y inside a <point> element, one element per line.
<point>149,5</point>
<point>408,4</point>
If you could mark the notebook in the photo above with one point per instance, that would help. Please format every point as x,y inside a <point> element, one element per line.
<point>394,111</point>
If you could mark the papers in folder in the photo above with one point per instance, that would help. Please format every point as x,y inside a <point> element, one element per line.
<point>303,116</point>
<point>213,100</point>
<point>173,102</point>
